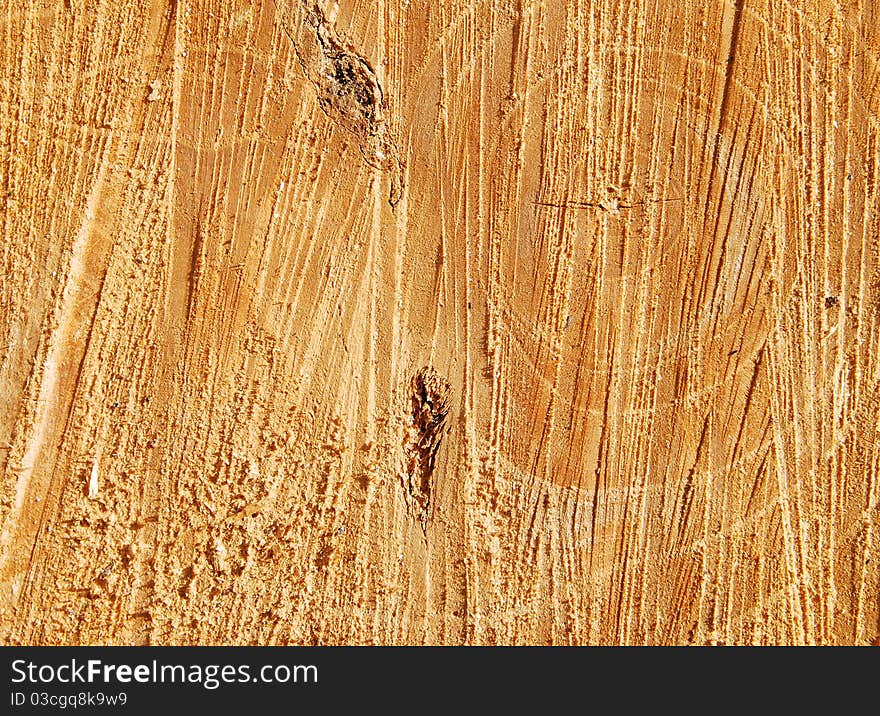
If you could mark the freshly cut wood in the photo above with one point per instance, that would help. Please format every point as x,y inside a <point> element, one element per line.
<point>474,321</point>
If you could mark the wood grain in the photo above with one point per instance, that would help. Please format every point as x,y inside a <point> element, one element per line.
<point>632,244</point>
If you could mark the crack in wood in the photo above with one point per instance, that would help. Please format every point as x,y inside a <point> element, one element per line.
<point>348,90</point>
<point>429,397</point>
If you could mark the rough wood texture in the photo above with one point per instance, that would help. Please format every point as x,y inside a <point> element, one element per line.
<point>474,321</point>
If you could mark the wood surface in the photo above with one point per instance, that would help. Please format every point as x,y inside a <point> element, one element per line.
<point>439,322</point>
